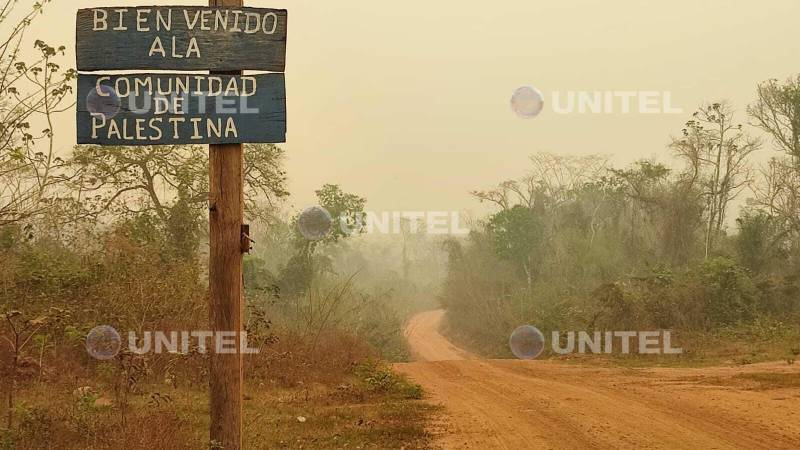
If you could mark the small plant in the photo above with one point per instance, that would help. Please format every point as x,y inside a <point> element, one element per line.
<point>21,331</point>
<point>259,327</point>
<point>378,377</point>
<point>86,400</point>
<point>81,412</point>
<point>411,391</point>
<point>128,373</point>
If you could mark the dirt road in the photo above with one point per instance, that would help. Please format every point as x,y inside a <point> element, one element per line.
<point>510,404</point>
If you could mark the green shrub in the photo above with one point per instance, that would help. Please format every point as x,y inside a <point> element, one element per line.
<point>729,294</point>
<point>377,377</point>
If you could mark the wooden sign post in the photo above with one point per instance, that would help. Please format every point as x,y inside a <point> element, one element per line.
<point>224,109</point>
<point>226,283</point>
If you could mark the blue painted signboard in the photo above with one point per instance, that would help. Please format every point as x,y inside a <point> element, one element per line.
<point>181,108</point>
<point>186,38</point>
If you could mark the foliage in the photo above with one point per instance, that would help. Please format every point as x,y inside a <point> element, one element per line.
<point>777,112</point>
<point>761,241</point>
<point>32,93</point>
<point>347,211</point>
<point>518,235</point>
<point>168,185</point>
<point>577,244</point>
<point>377,377</point>
<point>716,152</point>
<point>347,214</point>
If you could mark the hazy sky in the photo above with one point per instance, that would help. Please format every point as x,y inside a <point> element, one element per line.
<point>407,103</point>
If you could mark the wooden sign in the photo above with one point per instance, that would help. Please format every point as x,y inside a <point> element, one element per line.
<point>181,108</point>
<point>181,38</point>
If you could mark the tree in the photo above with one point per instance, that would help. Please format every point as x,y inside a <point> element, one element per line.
<point>551,179</point>
<point>761,239</point>
<point>661,212</point>
<point>31,93</point>
<point>347,214</point>
<point>716,151</point>
<point>778,193</point>
<point>169,182</point>
<point>518,235</point>
<point>777,112</point>
<point>347,211</point>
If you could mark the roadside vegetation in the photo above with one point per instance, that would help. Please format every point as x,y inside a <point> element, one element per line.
<point>706,243</point>
<point>118,236</point>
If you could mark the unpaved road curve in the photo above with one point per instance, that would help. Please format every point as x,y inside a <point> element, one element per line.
<point>510,404</point>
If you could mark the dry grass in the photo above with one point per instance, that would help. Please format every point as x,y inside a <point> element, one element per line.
<point>346,399</point>
<point>766,380</point>
<point>305,416</point>
<point>754,381</point>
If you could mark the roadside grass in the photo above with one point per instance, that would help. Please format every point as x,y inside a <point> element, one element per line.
<point>734,347</point>
<point>755,381</point>
<point>768,380</point>
<point>372,408</point>
<point>328,423</point>
<point>709,350</point>
<point>375,408</point>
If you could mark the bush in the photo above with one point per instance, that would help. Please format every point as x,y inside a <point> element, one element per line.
<point>377,377</point>
<point>729,294</point>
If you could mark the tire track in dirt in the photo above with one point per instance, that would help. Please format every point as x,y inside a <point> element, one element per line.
<point>510,404</point>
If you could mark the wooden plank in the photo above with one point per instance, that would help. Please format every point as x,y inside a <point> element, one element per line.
<point>180,108</point>
<point>181,38</point>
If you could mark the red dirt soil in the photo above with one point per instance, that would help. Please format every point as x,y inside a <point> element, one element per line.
<point>512,404</point>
